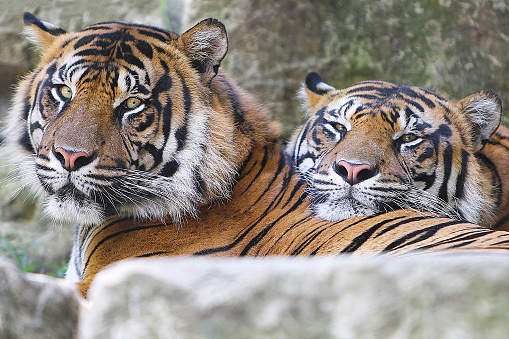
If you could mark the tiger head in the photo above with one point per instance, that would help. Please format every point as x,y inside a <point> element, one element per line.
<point>377,146</point>
<point>122,119</point>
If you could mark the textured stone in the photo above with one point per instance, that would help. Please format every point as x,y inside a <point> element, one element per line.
<point>455,47</point>
<point>342,297</point>
<point>36,306</point>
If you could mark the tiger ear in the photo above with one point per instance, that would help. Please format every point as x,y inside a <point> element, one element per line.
<point>313,89</point>
<point>484,111</point>
<point>39,32</point>
<point>206,45</point>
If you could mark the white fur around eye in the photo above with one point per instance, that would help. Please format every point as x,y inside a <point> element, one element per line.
<point>130,112</point>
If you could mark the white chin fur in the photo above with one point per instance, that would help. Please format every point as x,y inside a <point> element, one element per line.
<point>341,210</point>
<point>88,213</point>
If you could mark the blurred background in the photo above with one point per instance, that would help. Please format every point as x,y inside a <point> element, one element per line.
<point>453,47</point>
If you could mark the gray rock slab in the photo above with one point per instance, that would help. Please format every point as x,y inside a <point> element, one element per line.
<point>35,305</point>
<point>415,297</point>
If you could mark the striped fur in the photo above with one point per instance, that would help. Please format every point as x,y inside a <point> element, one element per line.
<point>118,119</point>
<point>268,214</point>
<point>130,120</point>
<point>377,146</point>
<point>186,108</point>
<point>495,157</point>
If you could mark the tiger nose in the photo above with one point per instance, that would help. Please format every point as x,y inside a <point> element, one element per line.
<point>354,173</point>
<point>72,160</point>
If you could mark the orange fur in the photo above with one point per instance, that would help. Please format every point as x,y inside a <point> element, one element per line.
<point>495,156</point>
<point>268,214</point>
<point>262,208</point>
<point>377,146</point>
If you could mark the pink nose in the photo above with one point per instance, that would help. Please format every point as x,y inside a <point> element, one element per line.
<point>354,173</point>
<point>72,160</point>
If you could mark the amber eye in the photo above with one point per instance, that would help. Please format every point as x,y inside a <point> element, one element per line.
<point>65,92</point>
<point>408,138</point>
<point>338,127</point>
<point>132,103</point>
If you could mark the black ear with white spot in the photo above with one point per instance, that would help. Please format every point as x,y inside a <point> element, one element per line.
<point>39,32</point>
<point>206,45</point>
<point>484,111</point>
<point>314,88</point>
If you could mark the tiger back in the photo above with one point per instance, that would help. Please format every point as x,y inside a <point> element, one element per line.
<point>377,146</point>
<point>176,159</point>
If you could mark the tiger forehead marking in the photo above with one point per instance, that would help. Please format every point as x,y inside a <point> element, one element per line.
<point>378,146</point>
<point>122,119</point>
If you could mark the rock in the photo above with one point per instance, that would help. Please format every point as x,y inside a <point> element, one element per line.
<point>342,297</point>
<point>455,47</point>
<point>35,305</point>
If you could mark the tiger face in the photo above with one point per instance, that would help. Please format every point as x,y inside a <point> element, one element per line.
<point>119,119</point>
<point>378,146</point>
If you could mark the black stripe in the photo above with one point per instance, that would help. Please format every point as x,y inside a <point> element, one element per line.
<point>447,158</point>
<point>419,235</point>
<point>116,234</point>
<point>155,35</point>
<point>99,27</point>
<point>182,131</point>
<point>359,240</point>
<point>360,221</point>
<point>256,239</point>
<point>149,120</point>
<point>93,52</point>
<point>131,59</point>
<point>151,254</point>
<point>460,181</point>
<point>307,242</point>
<point>169,168</point>
<point>25,141</point>
<point>461,240</point>
<point>407,90</point>
<point>396,225</point>
<point>261,166</point>
<point>87,39</point>
<point>144,48</point>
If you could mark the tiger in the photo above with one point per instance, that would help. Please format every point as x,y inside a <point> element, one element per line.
<point>135,134</point>
<point>377,146</point>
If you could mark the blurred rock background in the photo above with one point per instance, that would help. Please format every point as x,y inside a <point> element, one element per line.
<point>454,47</point>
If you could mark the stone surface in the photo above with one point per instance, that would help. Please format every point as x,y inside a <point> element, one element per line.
<point>455,47</point>
<point>35,305</point>
<point>342,297</point>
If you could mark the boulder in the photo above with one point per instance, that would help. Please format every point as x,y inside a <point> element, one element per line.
<point>36,305</point>
<point>454,47</point>
<point>343,297</point>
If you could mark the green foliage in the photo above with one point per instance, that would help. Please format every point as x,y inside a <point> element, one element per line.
<point>25,262</point>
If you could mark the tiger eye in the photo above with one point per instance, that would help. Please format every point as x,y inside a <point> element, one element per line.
<point>66,92</point>
<point>132,103</point>
<point>408,138</point>
<point>339,127</point>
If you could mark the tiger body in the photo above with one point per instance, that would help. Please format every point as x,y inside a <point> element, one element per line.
<point>133,133</point>
<point>377,146</point>
<point>268,214</point>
